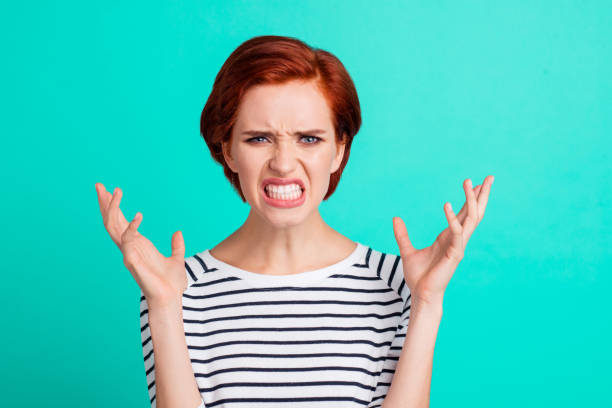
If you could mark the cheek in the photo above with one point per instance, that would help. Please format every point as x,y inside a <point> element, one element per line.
<point>322,162</point>
<point>249,168</point>
<point>320,158</point>
<point>318,169</point>
<point>248,160</point>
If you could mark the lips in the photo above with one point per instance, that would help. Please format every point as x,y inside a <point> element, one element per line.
<point>283,203</point>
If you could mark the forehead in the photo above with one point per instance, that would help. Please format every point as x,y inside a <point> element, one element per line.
<point>284,107</point>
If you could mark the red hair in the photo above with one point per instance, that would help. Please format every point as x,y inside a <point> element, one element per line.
<point>271,59</point>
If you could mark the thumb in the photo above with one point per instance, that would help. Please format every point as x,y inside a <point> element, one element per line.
<point>178,245</point>
<point>401,236</point>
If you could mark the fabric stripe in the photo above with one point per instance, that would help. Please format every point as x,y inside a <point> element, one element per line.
<point>328,338</point>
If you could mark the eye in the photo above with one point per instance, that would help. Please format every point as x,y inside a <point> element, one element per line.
<point>315,141</point>
<point>310,139</point>
<point>253,139</point>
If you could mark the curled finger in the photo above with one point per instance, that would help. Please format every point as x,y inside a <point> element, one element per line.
<point>483,197</point>
<point>113,206</point>
<point>464,210</point>
<point>455,250</point>
<point>132,228</point>
<point>102,199</point>
<point>453,222</point>
<point>471,220</point>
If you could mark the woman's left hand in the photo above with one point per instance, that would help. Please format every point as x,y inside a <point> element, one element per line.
<point>427,271</point>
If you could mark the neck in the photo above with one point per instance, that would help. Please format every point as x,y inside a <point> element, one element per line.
<point>288,249</point>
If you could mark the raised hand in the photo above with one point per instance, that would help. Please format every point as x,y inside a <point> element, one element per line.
<point>161,279</point>
<point>427,271</point>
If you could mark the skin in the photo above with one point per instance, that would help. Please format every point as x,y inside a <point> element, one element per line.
<point>284,241</point>
<point>427,271</point>
<point>296,239</point>
<point>161,279</point>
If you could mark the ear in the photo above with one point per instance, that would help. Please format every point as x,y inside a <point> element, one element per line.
<point>226,149</point>
<point>339,154</point>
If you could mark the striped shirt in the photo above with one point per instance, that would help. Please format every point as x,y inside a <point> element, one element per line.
<point>322,338</point>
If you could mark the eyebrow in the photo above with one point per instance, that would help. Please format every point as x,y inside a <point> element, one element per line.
<point>268,133</point>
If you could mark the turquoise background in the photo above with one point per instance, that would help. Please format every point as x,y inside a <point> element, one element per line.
<point>112,92</point>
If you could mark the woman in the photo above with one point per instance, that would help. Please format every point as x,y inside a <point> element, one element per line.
<point>286,311</point>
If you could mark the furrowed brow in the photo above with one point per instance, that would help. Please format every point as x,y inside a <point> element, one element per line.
<point>297,133</point>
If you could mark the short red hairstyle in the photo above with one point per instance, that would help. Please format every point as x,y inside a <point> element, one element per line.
<point>271,59</point>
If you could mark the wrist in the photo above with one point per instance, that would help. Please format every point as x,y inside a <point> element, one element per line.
<point>427,307</point>
<point>161,306</point>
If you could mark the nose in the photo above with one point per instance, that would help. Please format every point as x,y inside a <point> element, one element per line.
<point>283,158</point>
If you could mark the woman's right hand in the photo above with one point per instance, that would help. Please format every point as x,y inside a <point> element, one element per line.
<point>161,279</point>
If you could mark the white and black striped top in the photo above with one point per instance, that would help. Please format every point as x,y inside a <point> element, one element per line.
<point>322,338</point>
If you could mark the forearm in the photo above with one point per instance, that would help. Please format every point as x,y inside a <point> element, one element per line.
<point>412,379</point>
<point>175,384</point>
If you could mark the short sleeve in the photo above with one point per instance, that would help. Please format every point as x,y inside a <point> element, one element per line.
<point>191,268</point>
<point>388,370</point>
<point>147,349</point>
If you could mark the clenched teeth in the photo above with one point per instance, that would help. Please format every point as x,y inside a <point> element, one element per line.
<point>285,192</point>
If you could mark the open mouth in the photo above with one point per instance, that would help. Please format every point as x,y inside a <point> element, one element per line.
<point>285,194</point>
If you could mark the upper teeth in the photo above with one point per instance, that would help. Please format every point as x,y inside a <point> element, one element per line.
<point>288,188</point>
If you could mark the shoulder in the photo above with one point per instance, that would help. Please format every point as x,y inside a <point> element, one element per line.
<point>196,266</point>
<point>388,268</point>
